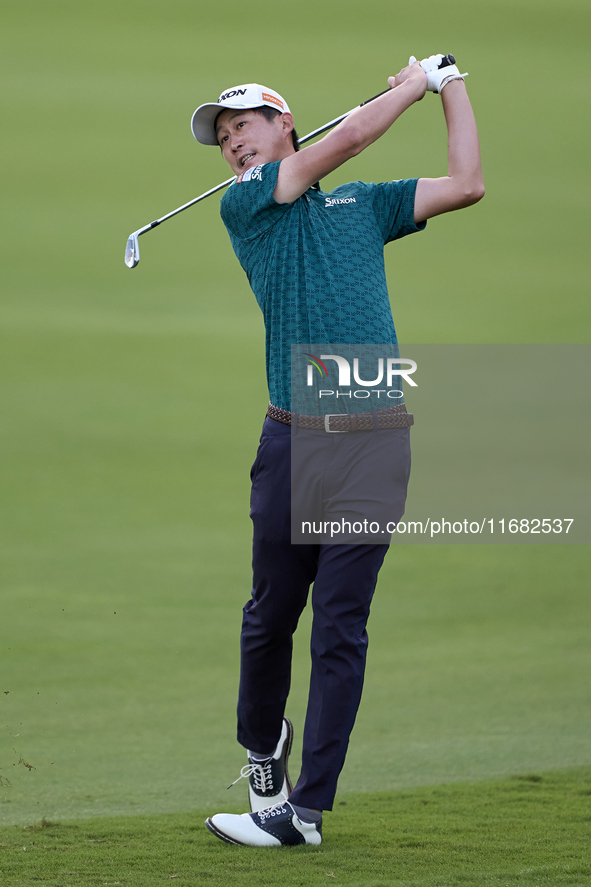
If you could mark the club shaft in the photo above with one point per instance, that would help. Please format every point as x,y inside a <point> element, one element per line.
<point>334,122</point>
<point>225,184</point>
<point>175,212</point>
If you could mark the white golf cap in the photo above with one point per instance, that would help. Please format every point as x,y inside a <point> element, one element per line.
<point>249,95</point>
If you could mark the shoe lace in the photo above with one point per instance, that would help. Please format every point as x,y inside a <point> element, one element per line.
<point>274,810</point>
<point>281,807</point>
<point>261,773</point>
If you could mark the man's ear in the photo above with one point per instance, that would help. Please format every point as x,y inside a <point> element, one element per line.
<point>287,122</point>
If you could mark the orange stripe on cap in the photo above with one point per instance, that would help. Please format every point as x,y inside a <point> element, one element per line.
<point>273,99</point>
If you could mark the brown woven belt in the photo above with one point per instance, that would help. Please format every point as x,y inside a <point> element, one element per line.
<point>391,417</point>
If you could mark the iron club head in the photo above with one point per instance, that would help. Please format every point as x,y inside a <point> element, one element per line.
<point>132,251</point>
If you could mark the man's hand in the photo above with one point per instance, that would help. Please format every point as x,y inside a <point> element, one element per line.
<point>438,77</point>
<point>413,72</point>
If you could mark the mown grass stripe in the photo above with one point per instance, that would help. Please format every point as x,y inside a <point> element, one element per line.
<point>526,830</point>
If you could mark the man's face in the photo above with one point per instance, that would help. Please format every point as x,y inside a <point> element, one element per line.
<point>248,139</point>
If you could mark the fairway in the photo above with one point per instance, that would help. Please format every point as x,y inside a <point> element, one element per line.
<point>132,402</point>
<point>526,830</point>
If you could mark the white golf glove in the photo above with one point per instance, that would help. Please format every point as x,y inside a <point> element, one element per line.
<point>438,77</point>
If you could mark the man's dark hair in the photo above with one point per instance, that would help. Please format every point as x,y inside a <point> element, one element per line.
<point>269,113</point>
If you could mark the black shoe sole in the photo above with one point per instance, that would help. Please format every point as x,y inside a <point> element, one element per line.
<point>215,831</point>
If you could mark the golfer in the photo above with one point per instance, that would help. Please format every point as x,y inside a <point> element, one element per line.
<point>315,263</point>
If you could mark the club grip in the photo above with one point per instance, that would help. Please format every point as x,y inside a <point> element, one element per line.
<point>446,61</point>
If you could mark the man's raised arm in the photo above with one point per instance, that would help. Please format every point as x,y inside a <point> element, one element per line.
<point>463,185</point>
<point>361,128</point>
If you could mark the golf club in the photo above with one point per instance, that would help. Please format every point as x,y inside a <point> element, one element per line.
<point>132,250</point>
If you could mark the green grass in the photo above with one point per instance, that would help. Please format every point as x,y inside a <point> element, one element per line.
<point>120,662</point>
<point>532,829</point>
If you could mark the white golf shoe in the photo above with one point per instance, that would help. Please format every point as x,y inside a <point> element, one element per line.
<point>274,826</point>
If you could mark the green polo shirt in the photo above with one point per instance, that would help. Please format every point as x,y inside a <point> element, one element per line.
<point>316,266</point>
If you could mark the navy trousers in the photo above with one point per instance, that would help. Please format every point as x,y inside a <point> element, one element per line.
<point>344,579</point>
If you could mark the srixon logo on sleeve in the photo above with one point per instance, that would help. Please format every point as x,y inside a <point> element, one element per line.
<point>253,174</point>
